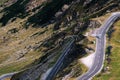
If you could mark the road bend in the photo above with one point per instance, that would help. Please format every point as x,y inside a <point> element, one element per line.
<point>100,48</point>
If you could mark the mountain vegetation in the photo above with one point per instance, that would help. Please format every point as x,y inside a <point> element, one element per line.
<point>34,34</point>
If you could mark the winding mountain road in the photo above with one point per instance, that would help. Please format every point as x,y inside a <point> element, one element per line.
<point>99,54</point>
<point>8,75</point>
<point>100,48</point>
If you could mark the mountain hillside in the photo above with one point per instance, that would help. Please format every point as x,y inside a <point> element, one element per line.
<point>34,33</point>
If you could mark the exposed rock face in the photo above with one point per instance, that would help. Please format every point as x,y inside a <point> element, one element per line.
<point>21,53</point>
<point>65,7</point>
<point>33,73</point>
<point>34,4</point>
<point>9,2</point>
<point>87,2</point>
<point>25,22</point>
<point>58,14</point>
<point>36,71</point>
<point>94,24</point>
<point>14,30</point>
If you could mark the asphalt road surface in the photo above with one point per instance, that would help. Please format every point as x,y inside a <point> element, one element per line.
<point>60,61</point>
<point>8,75</point>
<point>100,48</point>
<point>99,54</point>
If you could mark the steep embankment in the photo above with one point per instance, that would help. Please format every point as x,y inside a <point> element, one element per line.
<point>34,33</point>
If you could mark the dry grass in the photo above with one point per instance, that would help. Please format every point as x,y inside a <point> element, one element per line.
<point>7,79</point>
<point>18,41</point>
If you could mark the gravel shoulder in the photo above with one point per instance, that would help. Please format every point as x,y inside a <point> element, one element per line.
<point>87,61</point>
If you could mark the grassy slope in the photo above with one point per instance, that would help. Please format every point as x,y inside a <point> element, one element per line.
<point>8,63</point>
<point>2,1</point>
<point>115,63</point>
<point>12,44</point>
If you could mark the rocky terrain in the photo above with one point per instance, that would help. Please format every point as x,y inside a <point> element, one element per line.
<point>34,33</point>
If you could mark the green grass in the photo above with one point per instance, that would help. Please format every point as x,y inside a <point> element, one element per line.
<point>3,1</point>
<point>8,53</point>
<point>115,56</point>
<point>13,67</point>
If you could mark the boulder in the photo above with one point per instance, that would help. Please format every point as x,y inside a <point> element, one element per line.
<point>21,53</point>
<point>65,7</point>
<point>58,14</point>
